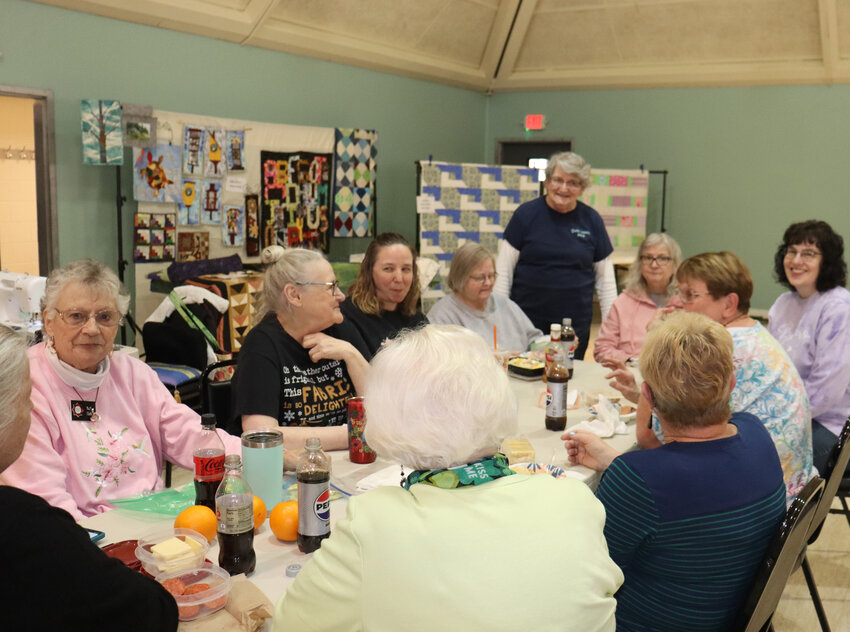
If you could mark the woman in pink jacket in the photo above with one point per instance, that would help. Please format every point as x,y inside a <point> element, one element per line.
<point>650,284</point>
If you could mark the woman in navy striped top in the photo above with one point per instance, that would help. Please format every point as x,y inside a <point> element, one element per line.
<point>687,522</point>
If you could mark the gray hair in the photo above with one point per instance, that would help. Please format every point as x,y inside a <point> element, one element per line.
<point>634,279</point>
<point>91,273</point>
<point>468,257</point>
<point>290,267</point>
<point>435,398</point>
<point>14,370</point>
<point>570,163</point>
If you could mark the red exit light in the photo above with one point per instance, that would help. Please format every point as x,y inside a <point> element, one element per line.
<point>535,121</point>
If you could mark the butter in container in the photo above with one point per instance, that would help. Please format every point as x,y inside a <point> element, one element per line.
<point>518,450</point>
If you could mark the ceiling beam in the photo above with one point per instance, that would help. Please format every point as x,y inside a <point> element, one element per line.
<point>516,38</point>
<point>499,35</point>
<point>829,37</point>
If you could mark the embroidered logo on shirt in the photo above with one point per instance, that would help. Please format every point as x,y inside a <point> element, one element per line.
<point>580,233</point>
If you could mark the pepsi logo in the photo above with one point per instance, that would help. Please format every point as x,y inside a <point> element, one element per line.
<point>322,506</point>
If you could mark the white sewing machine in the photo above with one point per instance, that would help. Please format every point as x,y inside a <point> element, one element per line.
<point>20,300</point>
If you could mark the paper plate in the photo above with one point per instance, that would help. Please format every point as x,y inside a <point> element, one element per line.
<point>539,468</point>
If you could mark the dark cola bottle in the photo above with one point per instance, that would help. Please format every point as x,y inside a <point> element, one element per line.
<point>570,342</point>
<point>209,462</point>
<point>314,497</point>
<point>234,509</point>
<point>557,379</point>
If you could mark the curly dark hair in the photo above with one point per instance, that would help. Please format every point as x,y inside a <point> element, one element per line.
<point>833,269</point>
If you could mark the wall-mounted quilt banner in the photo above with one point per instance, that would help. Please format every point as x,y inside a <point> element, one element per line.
<point>102,135</point>
<point>155,237</point>
<point>470,203</point>
<point>156,174</point>
<point>619,196</point>
<point>294,199</point>
<point>355,170</point>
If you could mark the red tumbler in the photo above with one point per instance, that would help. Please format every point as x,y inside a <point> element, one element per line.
<point>358,450</point>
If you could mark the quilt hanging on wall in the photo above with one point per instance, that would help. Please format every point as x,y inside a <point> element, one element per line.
<point>355,151</point>
<point>156,174</point>
<point>467,202</point>
<point>102,134</point>
<point>154,237</point>
<point>620,196</point>
<point>295,199</point>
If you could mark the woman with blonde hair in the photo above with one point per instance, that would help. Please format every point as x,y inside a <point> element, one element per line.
<point>650,284</point>
<point>464,544</point>
<point>384,298</point>
<point>302,363</point>
<point>688,522</point>
<point>473,305</point>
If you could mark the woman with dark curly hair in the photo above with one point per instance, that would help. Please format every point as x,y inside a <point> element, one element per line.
<point>384,298</point>
<point>812,322</point>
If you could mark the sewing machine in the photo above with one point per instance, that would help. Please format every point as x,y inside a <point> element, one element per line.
<point>20,300</point>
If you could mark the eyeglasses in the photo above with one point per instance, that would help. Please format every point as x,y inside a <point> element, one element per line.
<point>103,318</point>
<point>662,261</point>
<point>805,255</point>
<point>570,184</point>
<point>332,285</point>
<point>690,297</point>
<point>481,278</point>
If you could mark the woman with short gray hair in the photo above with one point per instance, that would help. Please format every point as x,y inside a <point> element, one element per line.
<point>650,284</point>
<point>472,304</point>
<point>420,557</point>
<point>556,250</point>
<point>111,591</point>
<point>101,422</point>
<point>299,366</point>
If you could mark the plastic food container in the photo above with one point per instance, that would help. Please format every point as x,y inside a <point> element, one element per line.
<point>204,590</point>
<point>526,367</point>
<point>155,566</point>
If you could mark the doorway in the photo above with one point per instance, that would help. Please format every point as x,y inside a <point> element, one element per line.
<point>28,226</point>
<point>530,153</point>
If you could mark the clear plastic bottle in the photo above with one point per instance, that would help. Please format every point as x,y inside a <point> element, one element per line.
<point>234,503</point>
<point>314,499</point>
<point>570,341</point>
<point>209,462</point>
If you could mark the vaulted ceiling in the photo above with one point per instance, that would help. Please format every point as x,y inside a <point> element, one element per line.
<point>505,45</point>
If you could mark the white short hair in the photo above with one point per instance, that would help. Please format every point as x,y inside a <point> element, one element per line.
<point>435,397</point>
<point>90,273</point>
<point>570,163</point>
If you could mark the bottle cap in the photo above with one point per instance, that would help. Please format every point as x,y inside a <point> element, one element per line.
<point>555,328</point>
<point>313,443</point>
<point>233,461</point>
<point>568,322</point>
<point>208,419</point>
<point>292,570</point>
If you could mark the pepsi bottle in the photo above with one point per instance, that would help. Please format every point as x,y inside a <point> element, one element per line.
<point>314,496</point>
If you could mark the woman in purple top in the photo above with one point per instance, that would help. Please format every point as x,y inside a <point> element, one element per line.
<point>812,322</point>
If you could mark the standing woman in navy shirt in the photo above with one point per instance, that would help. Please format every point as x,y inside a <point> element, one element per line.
<point>556,250</point>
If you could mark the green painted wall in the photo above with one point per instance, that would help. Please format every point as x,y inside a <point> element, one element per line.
<point>80,56</point>
<point>744,162</point>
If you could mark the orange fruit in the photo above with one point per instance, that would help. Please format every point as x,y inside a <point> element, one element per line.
<point>259,512</point>
<point>283,520</point>
<point>198,518</point>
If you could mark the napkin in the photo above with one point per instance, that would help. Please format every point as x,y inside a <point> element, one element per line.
<point>246,610</point>
<point>607,422</point>
<point>389,476</point>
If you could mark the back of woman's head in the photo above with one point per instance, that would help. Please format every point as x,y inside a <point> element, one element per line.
<point>833,268</point>
<point>722,272</point>
<point>435,397</point>
<point>363,292</point>
<point>291,266</point>
<point>468,257</point>
<point>634,278</point>
<point>14,371</point>
<point>687,362</point>
<point>90,273</point>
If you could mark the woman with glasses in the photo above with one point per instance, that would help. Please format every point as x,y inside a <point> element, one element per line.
<point>812,323</point>
<point>299,366</point>
<point>719,285</point>
<point>650,284</point>
<point>556,250</point>
<point>473,305</point>
<point>101,422</point>
<point>384,298</point>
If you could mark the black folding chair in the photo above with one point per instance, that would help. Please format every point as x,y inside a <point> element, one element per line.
<point>833,474</point>
<point>842,494</point>
<point>780,561</point>
<point>216,396</point>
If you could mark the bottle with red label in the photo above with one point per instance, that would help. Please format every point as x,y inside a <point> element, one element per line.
<point>314,496</point>
<point>553,346</point>
<point>234,510</point>
<point>209,462</point>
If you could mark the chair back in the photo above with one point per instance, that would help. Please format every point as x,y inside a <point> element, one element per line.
<point>833,474</point>
<point>780,560</point>
<point>216,396</point>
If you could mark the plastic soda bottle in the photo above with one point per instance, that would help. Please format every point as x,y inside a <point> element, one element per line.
<point>234,508</point>
<point>314,496</point>
<point>570,340</point>
<point>557,378</point>
<point>551,348</point>
<point>209,462</point>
